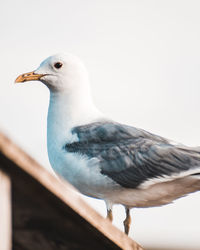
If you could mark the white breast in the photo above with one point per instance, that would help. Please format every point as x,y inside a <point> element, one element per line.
<point>81,172</point>
<point>71,105</point>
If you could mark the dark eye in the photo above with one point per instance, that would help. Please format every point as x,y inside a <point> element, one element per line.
<point>58,65</point>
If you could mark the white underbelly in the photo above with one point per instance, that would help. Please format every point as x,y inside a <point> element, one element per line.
<point>155,195</point>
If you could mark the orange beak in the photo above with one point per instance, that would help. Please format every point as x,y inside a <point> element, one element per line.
<point>31,76</point>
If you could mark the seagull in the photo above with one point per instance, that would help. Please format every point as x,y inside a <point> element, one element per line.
<point>102,158</point>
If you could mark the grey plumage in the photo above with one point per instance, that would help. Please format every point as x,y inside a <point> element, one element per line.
<point>131,156</point>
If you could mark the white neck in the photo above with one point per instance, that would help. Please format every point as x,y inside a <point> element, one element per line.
<point>67,110</point>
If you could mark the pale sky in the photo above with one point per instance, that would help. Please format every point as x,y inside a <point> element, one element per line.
<point>143,58</point>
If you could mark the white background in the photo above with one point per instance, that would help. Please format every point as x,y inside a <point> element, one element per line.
<point>143,58</point>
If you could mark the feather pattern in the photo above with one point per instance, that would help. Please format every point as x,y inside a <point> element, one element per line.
<point>131,156</point>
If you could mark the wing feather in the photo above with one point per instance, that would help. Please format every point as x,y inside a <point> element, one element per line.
<point>131,156</point>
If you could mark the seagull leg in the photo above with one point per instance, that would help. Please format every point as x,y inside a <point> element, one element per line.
<point>109,210</point>
<point>127,221</point>
<point>109,214</point>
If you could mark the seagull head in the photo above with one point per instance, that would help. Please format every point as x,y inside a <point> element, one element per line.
<point>61,72</point>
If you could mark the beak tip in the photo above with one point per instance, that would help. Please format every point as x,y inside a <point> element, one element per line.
<point>18,79</point>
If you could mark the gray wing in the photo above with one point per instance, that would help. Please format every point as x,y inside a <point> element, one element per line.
<point>130,156</point>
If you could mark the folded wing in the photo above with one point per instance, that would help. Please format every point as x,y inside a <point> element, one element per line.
<point>132,156</point>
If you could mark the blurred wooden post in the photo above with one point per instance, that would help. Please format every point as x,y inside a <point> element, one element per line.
<point>5,212</point>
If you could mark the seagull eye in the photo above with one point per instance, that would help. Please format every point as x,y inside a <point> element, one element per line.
<point>58,65</point>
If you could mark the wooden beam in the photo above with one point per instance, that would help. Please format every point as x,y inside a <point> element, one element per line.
<point>5,211</point>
